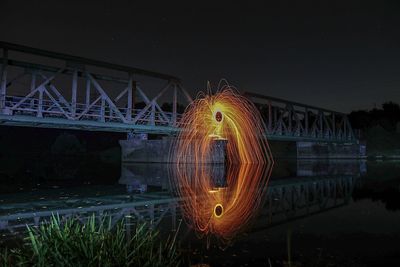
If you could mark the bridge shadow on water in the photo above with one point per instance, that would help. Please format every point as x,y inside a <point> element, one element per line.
<point>318,212</point>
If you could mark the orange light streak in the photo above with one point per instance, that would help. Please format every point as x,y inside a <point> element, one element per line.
<point>221,211</point>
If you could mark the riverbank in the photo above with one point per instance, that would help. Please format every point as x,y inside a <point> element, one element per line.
<point>96,242</point>
<point>382,143</point>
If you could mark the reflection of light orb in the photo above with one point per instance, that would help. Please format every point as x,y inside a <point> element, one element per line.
<point>218,210</point>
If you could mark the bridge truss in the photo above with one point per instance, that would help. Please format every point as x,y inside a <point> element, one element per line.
<point>287,120</point>
<point>46,89</point>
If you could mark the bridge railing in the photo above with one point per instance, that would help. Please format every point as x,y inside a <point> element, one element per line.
<point>32,107</point>
<point>80,89</point>
<point>292,120</point>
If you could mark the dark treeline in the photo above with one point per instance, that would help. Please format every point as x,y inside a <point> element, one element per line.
<point>388,117</point>
<point>380,129</point>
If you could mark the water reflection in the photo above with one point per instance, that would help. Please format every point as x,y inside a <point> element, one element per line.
<point>344,218</point>
<point>140,178</point>
<point>220,200</point>
<point>309,167</point>
<point>322,198</point>
<point>293,198</point>
<point>148,185</point>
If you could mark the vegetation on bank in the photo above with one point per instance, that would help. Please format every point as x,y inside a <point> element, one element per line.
<point>380,128</point>
<point>92,243</point>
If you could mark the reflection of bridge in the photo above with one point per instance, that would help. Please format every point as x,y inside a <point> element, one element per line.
<point>286,199</point>
<point>295,198</point>
<point>45,89</point>
<point>143,207</point>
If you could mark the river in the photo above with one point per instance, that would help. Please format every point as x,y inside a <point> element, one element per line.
<point>316,212</point>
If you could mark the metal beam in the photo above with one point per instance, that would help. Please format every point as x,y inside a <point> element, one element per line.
<point>260,96</point>
<point>3,79</point>
<point>85,61</point>
<point>74,93</point>
<point>61,123</point>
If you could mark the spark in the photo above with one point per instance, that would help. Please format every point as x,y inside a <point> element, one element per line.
<point>221,211</point>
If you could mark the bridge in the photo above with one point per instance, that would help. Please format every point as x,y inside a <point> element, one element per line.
<point>39,88</point>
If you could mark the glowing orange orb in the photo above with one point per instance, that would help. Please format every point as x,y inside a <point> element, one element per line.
<point>221,211</point>
<point>218,116</point>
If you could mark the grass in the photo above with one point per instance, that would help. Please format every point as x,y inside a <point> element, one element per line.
<point>92,243</point>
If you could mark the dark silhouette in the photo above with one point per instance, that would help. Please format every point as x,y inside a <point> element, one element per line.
<point>387,117</point>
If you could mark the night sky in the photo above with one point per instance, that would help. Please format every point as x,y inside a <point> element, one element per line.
<point>341,55</point>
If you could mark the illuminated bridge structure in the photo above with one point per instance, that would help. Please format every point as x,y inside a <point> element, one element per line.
<point>44,89</point>
<point>39,88</point>
<point>288,120</point>
<point>286,199</point>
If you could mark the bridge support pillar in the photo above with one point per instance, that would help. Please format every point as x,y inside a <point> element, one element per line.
<point>139,149</point>
<point>330,150</point>
<point>3,81</point>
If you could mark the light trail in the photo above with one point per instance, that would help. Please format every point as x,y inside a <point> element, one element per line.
<point>212,208</point>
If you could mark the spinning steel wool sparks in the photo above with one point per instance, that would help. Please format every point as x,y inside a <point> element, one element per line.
<point>210,208</point>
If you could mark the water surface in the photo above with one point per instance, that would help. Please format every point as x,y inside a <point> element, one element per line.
<point>316,213</point>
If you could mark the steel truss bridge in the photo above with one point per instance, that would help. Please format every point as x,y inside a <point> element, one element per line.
<point>39,88</point>
<point>286,199</point>
<point>288,120</point>
<point>44,89</point>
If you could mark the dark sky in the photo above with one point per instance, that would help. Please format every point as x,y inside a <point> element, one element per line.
<point>341,55</point>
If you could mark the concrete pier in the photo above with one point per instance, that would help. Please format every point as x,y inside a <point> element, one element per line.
<point>139,149</point>
<point>330,150</point>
